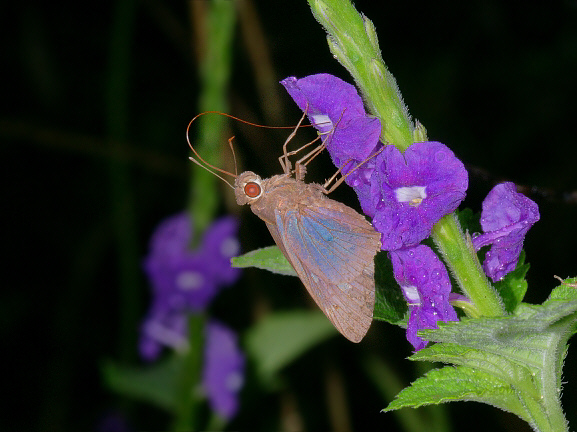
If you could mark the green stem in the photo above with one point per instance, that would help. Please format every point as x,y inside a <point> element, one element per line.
<point>215,70</point>
<point>462,260</point>
<point>186,418</point>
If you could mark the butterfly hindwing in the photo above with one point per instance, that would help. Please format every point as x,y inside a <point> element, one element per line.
<point>332,248</point>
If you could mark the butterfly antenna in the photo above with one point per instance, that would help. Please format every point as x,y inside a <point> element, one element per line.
<point>214,168</point>
<point>233,155</point>
<point>211,171</point>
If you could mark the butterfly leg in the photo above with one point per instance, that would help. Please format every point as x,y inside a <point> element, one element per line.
<point>328,190</point>
<point>284,159</point>
<point>300,165</point>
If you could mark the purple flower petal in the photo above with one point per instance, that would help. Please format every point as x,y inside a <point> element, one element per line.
<point>163,327</point>
<point>221,243</point>
<point>360,181</point>
<point>182,282</point>
<point>335,108</point>
<point>426,286</point>
<point>506,217</point>
<point>172,236</point>
<point>223,369</point>
<point>182,279</point>
<point>414,190</point>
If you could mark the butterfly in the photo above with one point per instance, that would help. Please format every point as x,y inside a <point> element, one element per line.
<point>330,246</point>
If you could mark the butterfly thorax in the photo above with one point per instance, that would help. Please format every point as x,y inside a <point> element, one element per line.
<point>275,193</point>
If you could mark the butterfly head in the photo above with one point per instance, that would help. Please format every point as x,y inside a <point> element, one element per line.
<point>248,188</point>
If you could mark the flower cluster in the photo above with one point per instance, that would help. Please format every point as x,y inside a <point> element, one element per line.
<point>405,194</point>
<point>184,281</point>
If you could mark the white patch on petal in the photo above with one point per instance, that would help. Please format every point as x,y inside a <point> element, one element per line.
<point>412,295</point>
<point>189,280</point>
<point>322,120</point>
<point>234,381</point>
<point>229,247</point>
<point>414,195</point>
<point>166,336</point>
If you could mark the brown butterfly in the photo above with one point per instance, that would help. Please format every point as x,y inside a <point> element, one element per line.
<point>330,246</point>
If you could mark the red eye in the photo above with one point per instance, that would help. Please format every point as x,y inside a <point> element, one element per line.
<point>252,189</point>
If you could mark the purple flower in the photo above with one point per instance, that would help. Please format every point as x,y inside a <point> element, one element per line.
<point>163,327</point>
<point>220,242</point>
<point>181,282</point>
<point>223,369</point>
<point>506,217</point>
<point>172,236</point>
<point>184,280</point>
<point>413,190</point>
<point>426,286</point>
<point>222,375</point>
<point>335,108</point>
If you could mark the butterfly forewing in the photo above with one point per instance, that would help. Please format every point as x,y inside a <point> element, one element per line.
<point>335,242</point>
<point>332,248</point>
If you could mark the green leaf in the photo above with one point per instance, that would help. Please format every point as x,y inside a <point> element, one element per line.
<point>156,384</point>
<point>513,286</point>
<point>517,360</point>
<point>451,384</point>
<point>269,258</point>
<point>390,305</point>
<point>281,338</point>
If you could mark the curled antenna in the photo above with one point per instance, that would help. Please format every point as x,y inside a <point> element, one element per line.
<point>211,168</point>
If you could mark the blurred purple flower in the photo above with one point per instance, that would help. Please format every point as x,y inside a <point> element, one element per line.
<point>414,190</point>
<point>172,236</point>
<point>506,217</point>
<point>335,108</point>
<point>223,369</point>
<point>184,280</point>
<point>220,242</point>
<point>163,327</point>
<point>426,286</point>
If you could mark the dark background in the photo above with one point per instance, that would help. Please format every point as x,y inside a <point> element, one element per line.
<point>493,80</point>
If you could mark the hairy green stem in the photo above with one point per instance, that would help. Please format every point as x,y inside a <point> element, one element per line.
<point>462,260</point>
<point>353,41</point>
